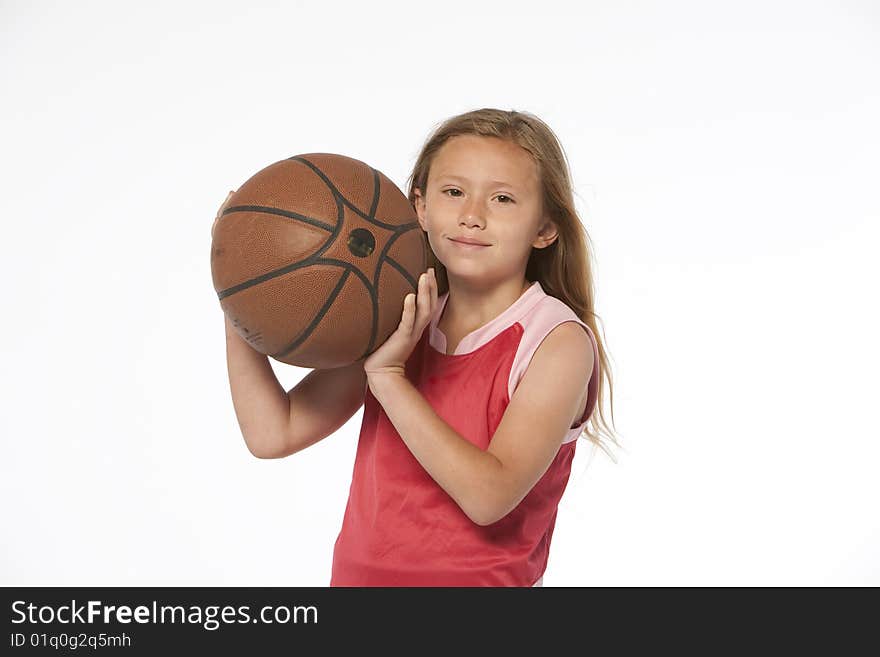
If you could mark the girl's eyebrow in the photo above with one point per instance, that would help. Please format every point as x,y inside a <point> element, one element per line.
<point>462,179</point>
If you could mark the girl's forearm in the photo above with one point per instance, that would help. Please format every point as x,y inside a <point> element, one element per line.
<point>467,473</point>
<point>261,404</point>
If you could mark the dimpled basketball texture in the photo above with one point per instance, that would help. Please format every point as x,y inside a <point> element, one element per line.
<point>312,258</point>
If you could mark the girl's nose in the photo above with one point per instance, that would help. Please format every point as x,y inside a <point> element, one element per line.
<point>471,214</point>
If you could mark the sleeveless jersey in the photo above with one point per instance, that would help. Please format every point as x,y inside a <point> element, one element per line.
<point>400,528</point>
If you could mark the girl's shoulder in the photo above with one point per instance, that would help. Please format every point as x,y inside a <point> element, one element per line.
<point>540,320</point>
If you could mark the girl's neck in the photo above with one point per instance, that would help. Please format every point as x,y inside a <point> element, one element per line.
<point>468,308</point>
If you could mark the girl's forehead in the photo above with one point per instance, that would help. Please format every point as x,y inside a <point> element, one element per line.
<point>476,158</point>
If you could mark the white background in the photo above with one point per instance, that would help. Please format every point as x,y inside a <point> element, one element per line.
<point>725,157</point>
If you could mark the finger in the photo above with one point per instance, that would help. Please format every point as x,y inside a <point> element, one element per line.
<point>424,300</point>
<point>225,201</point>
<point>407,321</point>
<point>429,296</point>
<point>434,293</point>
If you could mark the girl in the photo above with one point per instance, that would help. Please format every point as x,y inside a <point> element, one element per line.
<point>472,407</point>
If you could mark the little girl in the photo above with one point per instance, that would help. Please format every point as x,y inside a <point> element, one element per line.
<point>472,407</point>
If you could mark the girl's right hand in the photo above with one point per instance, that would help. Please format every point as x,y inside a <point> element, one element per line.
<point>220,211</point>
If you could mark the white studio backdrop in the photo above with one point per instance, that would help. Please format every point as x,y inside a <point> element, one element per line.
<point>725,158</point>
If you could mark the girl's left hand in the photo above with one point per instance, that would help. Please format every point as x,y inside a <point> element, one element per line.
<point>391,357</point>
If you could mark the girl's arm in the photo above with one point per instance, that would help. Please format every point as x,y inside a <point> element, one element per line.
<point>275,423</point>
<point>488,484</point>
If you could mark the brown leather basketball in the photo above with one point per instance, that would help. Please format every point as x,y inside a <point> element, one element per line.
<point>312,258</point>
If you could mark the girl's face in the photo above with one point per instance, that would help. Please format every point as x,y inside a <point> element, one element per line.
<point>485,189</point>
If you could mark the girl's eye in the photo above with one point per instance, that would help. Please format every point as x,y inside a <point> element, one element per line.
<point>500,196</point>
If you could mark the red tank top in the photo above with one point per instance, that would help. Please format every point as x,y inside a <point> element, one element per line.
<point>400,527</point>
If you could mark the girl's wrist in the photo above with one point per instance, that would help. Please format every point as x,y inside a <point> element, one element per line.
<point>389,370</point>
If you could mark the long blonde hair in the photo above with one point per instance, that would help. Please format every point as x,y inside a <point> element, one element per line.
<point>563,268</point>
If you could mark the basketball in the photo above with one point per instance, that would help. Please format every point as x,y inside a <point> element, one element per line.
<point>312,257</point>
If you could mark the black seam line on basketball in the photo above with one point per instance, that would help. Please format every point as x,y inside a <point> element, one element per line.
<point>404,273</point>
<point>317,318</point>
<point>315,258</point>
<point>267,209</point>
<point>339,195</point>
<point>384,257</point>
<point>262,278</point>
<point>374,303</point>
<point>376,188</point>
<point>371,291</point>
<point>348,267</point>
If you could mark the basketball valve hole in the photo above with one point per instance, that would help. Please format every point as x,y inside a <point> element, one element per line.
<point>361,242</point>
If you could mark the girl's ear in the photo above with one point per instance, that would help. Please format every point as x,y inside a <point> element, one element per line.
<point>420,208</point>
<point>547,235</point>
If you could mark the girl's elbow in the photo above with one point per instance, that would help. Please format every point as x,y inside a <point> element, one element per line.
<point>486,515</point>
<point>265,449</point>
<point>261,452</point>
<point>483,521</point>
